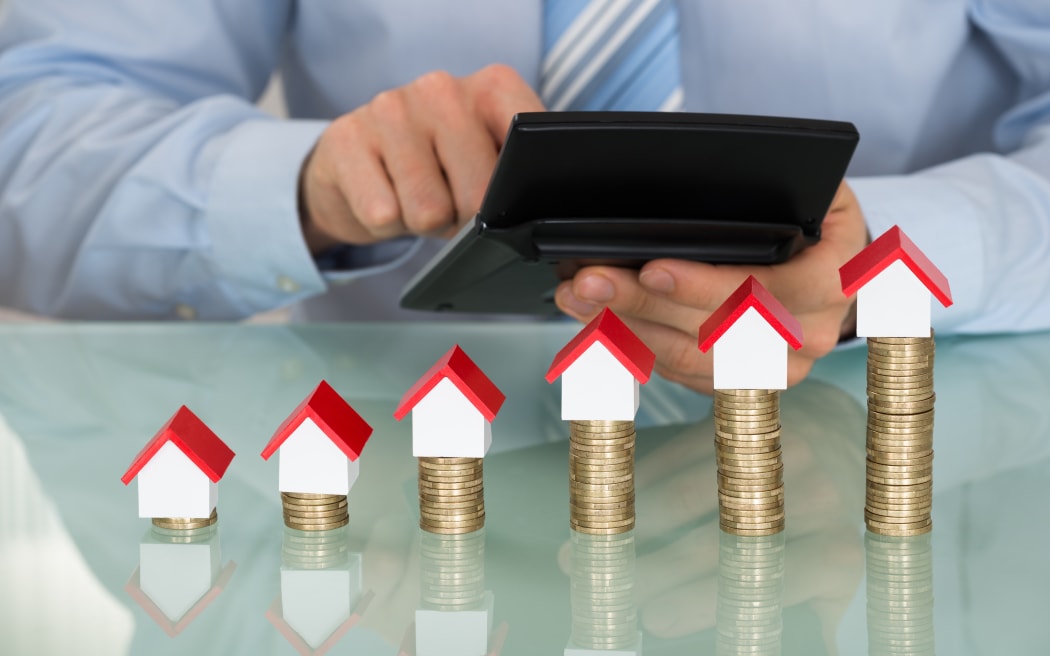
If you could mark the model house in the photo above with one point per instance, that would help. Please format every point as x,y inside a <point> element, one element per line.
<point>179,469</point>
<point>600,370</point>
<point>320,443</point>
<point>453,406</point>
<point>317,607</point>
<point>750,334</point>
<point>893,281</point>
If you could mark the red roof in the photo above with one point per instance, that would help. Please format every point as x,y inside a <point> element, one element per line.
<point>891,246</point>
<point>749,295</point>
<point>333,416</point>
<point>465,375</point>
<point>193,437</point>
<point>614,335</point>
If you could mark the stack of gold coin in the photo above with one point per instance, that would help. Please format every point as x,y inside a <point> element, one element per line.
<point>315,549</point>
<point>748,615</point>
<point>451,495</point>
<point>900,435</point>
<point>750,469</point>
<point>900,595</point>
<point>601,476</point>
<point>602,593</point>
<point>452,571</point>
<point>186,523</point>
<point>314,512</point>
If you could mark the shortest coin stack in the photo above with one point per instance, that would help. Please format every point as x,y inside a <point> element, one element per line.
<point>451,495</point>
<point>314,512</point>
<point>750,469</point>
<point>186,523</point>
<point>900,435</point>
<point>601,476</point>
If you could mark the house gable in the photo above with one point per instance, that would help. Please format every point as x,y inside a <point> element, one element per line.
<point>597,387</point>
<point>894,304</point>
<point>751,354</point>
<point>446,424</point>
<point>170,484</point>
<point>312,463</point>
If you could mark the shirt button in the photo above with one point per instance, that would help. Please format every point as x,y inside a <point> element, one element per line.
<point>185,312</point>
<point>287,285</point>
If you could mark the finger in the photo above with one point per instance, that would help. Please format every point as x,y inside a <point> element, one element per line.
<point>618,289</point>
<point>499,93</point>
<point>370,195</point>
<point>468,155</point>
<point>409,157</point>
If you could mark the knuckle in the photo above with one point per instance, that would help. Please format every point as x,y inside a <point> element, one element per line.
<point>380,216</point>
<point>436,84</point>
<point>389,104</point>
<point>430,215</point>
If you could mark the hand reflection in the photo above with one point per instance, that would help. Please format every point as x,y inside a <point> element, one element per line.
<point>678,533</point>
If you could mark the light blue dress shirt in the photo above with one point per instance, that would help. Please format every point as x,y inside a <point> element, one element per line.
<point>137,179</point>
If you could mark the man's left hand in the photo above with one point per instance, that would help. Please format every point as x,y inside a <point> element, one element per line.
<point>666,300</point>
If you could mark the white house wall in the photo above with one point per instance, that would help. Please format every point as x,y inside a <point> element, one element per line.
<point>445,424</point>
<point>894,304</point>
<point>311,463</point>
<point>598,387</point>
<point>171,485</point>
<point>750,355</point>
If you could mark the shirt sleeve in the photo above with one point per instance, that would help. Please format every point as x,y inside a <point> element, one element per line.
<point>137,179</point>
<point>985,220</point>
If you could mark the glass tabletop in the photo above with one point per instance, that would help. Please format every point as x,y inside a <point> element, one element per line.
<point>82,573</point>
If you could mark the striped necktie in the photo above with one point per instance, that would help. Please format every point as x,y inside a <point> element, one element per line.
<point>611,54</point>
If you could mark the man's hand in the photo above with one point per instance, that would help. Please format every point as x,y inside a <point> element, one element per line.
<point>415,160</point>
<point>667,300</point>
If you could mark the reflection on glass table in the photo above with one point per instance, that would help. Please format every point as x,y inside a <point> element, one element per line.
<point>77,402</point>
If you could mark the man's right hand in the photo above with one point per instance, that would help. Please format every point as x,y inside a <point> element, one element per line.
<point>415,160</point>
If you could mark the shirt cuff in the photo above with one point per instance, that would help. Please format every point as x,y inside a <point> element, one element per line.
<point>252,214</point>
<point>943,223</point>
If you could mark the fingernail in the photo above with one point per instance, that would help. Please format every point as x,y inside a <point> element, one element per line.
<point>596,289</point>
<point>573,305</point>
<point>657,280</point>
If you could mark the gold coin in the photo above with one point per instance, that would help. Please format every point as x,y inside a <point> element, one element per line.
<point>912,464</point>
<point>318,526</point>
<point>601,423</point>
<point>315,513</point>
<point>896,456</point>
<point>896,522</point>
<point>443,511</point>
<point>601,433</point>
<point>733,451</point>
<point>775,527</point>
<point>737,488</point>
<point>312,499</point>
<point>453,530</point>
<point>430,460</point>
<point>586,523</point>
<point>597,507</point>
<point>726,507</point>
<point>758,414</point>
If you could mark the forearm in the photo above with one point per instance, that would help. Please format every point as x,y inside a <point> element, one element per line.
<point>985,221</point>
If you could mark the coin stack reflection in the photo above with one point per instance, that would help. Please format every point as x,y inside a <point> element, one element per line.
<point>750,592</point>
<point>900,435</point>
<point>900,595</point>
<point>602,593</point>
<point>315,549</point>
<point>452,571</point>
<point>186,523</point>
<point>184,536</point>
<point>314,512</point>
<point>451,495</point>
<point>750,469</point>
<point>601,476</point>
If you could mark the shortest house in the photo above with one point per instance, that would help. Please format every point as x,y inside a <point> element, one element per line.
<point>179,469</point>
